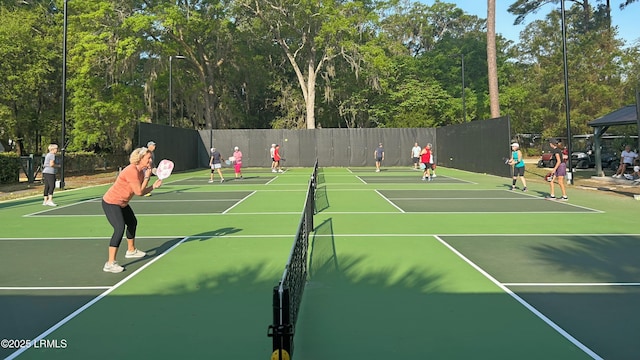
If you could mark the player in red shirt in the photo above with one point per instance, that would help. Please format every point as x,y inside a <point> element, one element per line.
<point>277,158</point>
<point>426,158</point>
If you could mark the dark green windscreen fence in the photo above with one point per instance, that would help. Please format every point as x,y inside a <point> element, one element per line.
<point>332,147</point>
<point>478,146</point>
<point>176,144</point>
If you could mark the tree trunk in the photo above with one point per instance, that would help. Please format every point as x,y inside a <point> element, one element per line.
<point>492,59</point>
<point>310,100</point>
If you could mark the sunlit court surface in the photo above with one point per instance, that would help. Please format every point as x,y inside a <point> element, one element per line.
<point>459,267</point>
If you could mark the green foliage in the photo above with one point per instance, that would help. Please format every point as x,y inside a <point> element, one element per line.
<point>29,48</point>
<point>9,168</point>
<point>264,63</point>
<point>88,162</point>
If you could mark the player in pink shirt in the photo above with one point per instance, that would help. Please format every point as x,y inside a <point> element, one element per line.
<point>237,164</point>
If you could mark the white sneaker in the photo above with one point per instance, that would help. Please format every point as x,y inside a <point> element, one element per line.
<point>377,170</point>
<point>274,170</point>
<point>112,267</point>
<point>210,181</point>
<point>434,175</point>
<point>280,171</point>
<point>44,203</point>
<point>51,203</point>
<point>135,254</point>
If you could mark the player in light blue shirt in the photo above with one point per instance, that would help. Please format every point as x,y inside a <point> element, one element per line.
<point>517,161</point>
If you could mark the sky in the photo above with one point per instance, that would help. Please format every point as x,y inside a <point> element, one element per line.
<point>624,19</point>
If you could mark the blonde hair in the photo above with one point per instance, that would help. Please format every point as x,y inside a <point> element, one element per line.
<point>52,146</point>
<point>137,155</point>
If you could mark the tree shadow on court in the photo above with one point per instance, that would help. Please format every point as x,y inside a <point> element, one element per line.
<point>185,312</point>
<point>354,308</point>
<point>22,202</point>
<point>603,258</point>
<point>598,314</point>
<point>165,246</point>
<point>208,235</point>
<point>214,301</point>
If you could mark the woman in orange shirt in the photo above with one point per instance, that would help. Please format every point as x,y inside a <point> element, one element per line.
<point>132,180</point>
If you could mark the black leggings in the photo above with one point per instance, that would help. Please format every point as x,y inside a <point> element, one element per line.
<point>49,183</point>
<point>119,217</point>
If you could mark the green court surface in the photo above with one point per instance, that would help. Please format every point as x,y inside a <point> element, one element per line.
<point>456,268</point>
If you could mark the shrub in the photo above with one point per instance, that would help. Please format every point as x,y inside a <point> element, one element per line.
<point>9,168</point>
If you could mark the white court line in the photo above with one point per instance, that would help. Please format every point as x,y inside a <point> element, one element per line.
<point>573,284</point>
<point>153,237</point>
<point>270,181</point>
<point>54,287</point>
<point>453,212</point>
<point>389,201</point>
<point>349,170</point>
<point>535,311</point>
<point>238,203</point>
<point>66,191</point>
<point>511,235</point>
<point>185,200</point>
<point>90,303</point>
<point>462,198</point>
<point>61,207</point>
<point>190,214</point>
<point>359,178</point>
<point>319,235</point>
<point>458,179</point>
<point>475,235</point>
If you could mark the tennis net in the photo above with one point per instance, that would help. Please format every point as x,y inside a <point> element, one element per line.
<point>287,296</point>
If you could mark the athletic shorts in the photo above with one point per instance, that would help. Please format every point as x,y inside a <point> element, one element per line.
<point>416,160</point>
<point>562,170</point>
<point>428,166</point>
<point>216,166</point>
<point>378,159</point>
<point>518,171</point>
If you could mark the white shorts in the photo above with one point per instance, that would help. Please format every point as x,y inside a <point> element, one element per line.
<point>216,166</point>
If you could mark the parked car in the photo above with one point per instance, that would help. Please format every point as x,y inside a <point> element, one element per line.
<point>587,159</point>
<point>546,160</point>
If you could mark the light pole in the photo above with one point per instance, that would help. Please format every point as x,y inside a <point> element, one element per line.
<point>171,57</point>
<point>464,105</point>
<point>64,93</point>
<point>566,90</point>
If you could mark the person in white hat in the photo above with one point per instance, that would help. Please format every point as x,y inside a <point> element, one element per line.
<point>517,161</point>
<point>237,162</point>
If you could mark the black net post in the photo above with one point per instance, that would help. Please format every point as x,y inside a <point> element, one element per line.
<point>281,331</point>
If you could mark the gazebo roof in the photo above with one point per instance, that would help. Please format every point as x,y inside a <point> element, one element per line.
<point>623,116</point>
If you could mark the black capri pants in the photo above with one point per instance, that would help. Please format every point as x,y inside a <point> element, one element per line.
<point>119,217</point>
<point>49,183</point>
